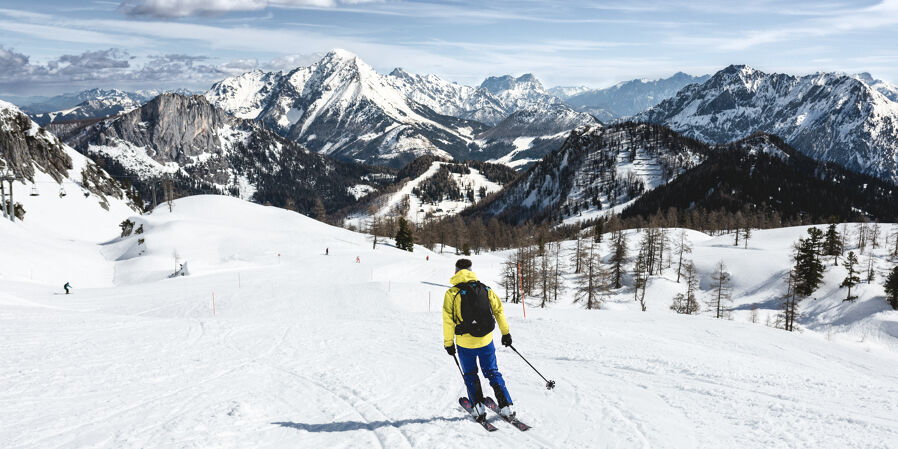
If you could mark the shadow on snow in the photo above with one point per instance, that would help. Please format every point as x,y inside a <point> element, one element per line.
<point>348,426</point>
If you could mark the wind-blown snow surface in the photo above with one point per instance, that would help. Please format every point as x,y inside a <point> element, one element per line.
<point>308,350</point>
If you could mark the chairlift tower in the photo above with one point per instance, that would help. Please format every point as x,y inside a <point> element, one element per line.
<point>8,206</point>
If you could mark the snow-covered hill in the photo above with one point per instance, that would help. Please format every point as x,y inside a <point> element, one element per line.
<point>133,359</point>
<point>63,193</point>
<point>827,116</point>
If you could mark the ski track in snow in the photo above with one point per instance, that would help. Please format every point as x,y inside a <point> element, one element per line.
<point>307,350</point>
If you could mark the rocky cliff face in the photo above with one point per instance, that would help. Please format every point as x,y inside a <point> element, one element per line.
<point>29,150</point>
<point>202,148</point>
<point>26,147</point>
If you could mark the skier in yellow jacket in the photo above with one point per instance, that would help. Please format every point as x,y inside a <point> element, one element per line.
<point>469,308</point>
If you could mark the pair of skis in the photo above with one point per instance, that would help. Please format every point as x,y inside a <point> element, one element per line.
<point>490,404</point>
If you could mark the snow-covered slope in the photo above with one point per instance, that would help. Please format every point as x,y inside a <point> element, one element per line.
<point>354,359</point>
<point>206,149</point>
<point>434,188</point>
<point>630,97</point>
<point>62,192</point>
<point>827,116</point>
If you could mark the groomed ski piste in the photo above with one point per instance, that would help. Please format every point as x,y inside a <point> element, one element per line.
<point>304,349</point>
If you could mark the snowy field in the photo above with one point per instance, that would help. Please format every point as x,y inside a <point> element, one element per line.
<point>307,350</point>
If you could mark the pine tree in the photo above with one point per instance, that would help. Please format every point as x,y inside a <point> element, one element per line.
<point>862,235</point>
<point>593,284</point>
<point>721,299</point>
<point>875,231</point>
<point>683,247</point>
<point>404,238</point>
<point>640,277</point>
<point>746,234</point>
<point>852,279</point>
<point>808,266</point>
<point>556,271</point>
<point>871,268</point>
<point>892,288</point>
<point>318,211</point>
<point>618,257</point>
<point>687,303</point>
<point>790,302</point>
<point>894,252</point>
<point>578,255</point>
<point>598,230</point>
<point>832,243</point>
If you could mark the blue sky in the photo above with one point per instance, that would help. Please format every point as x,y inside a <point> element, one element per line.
<point>53,46</point>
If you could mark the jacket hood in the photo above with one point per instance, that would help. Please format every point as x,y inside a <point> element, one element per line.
<point>463,276</point>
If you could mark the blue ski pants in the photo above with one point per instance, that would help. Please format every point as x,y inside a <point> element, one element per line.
<point>487,355</point>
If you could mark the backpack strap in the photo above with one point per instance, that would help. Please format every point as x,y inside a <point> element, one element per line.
<point>460,291</point>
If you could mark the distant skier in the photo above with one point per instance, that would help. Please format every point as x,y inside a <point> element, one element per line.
<point>67,286</point>
<point>428,258</point>
<point>357,260</point>
<point>327,251</point>
<point>469,308</point>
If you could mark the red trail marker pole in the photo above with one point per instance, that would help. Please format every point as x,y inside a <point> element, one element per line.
<point>521,289</point>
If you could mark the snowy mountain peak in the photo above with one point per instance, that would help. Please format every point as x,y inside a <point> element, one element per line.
<point>499,84</point>
<point>340,54</point>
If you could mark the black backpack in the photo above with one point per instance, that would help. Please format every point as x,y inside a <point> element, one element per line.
<point>476,310</point>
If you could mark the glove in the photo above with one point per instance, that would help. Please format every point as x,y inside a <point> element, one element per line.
<point>450,350</point>
<point>506,340</point>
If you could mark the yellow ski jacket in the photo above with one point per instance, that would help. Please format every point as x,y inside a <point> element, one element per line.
<point>467,340</point>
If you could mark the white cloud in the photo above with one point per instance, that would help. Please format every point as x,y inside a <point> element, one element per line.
<point>185,8</point>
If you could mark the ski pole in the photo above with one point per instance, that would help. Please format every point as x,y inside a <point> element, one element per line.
<point>550,384</point>
<point>454,357</point>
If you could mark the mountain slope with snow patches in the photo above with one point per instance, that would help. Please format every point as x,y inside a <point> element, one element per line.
<point>204,149</point>
<point>827,116</point>
<point>240,353</point>
<point>431,188</point>
<point>597,170</point>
